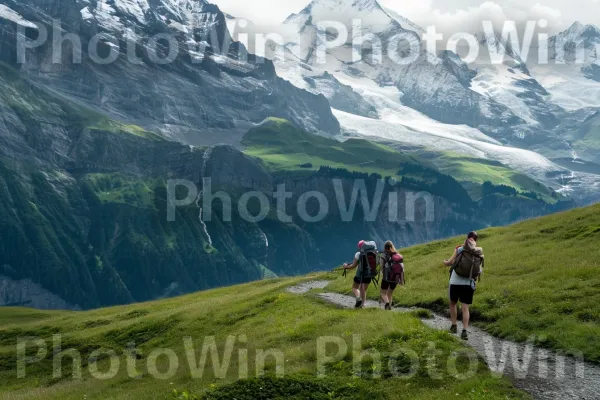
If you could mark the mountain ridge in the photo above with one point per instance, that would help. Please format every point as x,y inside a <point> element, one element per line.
<point>512,102</point>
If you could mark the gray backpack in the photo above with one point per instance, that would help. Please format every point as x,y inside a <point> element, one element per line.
<point>368,260</point>
<point>470,262</point>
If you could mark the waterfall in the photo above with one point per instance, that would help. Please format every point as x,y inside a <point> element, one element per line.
<point>205,159</point>
<point>266,272</point>
<point>266,241</point>
<point>574,154</point>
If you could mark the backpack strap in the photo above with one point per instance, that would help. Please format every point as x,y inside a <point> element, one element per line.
<point>456,262</point>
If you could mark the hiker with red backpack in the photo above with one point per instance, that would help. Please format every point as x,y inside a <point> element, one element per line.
<point>392,265</point>
<point>365,262</point>
<point>467,265</point>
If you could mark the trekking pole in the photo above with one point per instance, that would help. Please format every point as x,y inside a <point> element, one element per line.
<point>345,272</point>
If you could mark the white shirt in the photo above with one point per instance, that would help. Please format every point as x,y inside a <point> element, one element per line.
<point>456,279</point>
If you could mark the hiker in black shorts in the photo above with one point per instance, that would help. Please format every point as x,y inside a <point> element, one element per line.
<point>363,260</point>
<point>462,284</point>
<point>392,266</point>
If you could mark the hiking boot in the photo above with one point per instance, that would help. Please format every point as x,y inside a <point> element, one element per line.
<point>387,306</point>
<point>464,335</point>
<point>453,329</point>
<point>358,303</point>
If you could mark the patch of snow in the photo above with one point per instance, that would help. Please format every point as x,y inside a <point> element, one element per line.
<point>180,27</point>
<point>86,14</point>
<point>11,15</point>
<point>567,86</point>
<point>134,8</point>
<point>499,83</point>
<point>437,136</point>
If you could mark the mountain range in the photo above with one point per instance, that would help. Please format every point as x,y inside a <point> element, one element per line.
<point>87,148</point>
<point>507,106</point>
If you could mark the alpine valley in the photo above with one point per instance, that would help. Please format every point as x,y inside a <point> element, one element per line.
<point>87,148</point>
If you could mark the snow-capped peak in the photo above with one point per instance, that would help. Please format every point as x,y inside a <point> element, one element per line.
<point>579,31</point>
<point>182,15</point>
<point>575,29</point>
<point>343,5</point>
<point>372,16</point>
<point>405,22</point>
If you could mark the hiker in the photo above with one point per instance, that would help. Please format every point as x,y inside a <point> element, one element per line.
<point>365,262</point>
<point>392,265</point>
<point>467,265</point>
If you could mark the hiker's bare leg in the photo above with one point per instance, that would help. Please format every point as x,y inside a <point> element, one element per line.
<point>363,292</point>
<point>453,312</point>
<point>390,295</point>
<point>356,290</point>
<point>384,296</point>
<point>465,315</point>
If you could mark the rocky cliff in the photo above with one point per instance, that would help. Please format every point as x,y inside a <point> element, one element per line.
<point>167,66</point>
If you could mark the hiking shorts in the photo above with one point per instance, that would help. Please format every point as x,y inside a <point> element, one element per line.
<point>364,280</point>
<point>385,285</point>
<point>462,293</point>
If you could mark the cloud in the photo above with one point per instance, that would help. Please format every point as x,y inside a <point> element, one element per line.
<point>261,12</point>
<point>469,18</point>
<point>448,16</point>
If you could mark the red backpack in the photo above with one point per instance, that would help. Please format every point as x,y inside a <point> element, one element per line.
<point>394,269</point>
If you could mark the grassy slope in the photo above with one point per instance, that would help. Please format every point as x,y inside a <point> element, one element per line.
<point>121,189</point>
<point>268,316</point>
<point>283,147</point>
<point>473,172</point>
<point>542,278</point>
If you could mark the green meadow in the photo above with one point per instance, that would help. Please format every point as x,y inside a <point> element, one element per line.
<point>541,281</point>
<point>278,342</point>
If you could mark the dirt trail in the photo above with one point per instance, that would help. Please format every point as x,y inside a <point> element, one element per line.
<point>544,374</point>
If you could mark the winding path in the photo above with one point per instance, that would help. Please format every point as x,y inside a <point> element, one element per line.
<point>544,374</point>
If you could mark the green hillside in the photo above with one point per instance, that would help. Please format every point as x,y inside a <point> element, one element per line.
<point>542,279</point>
<point>473,172</point>
<point>258,316</point>
<point>283,147</point>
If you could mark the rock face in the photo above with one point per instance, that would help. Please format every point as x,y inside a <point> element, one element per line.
<point>83,181</point>
<point>26,293</point>
<point>210,86</point>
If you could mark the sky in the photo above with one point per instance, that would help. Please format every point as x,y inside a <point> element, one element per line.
<point>446,15</point>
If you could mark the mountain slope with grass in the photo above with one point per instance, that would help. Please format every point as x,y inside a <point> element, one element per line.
<point>286,149</point>
<point>84,205</point>
<point>257,316</point>
<point>541,280</point>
